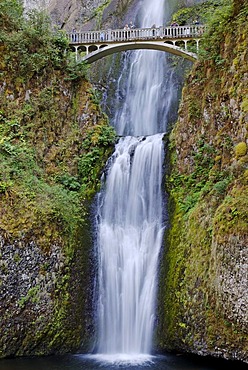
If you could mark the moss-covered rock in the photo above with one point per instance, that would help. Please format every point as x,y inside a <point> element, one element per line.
<point>47,109</point>
<point>204,284</point>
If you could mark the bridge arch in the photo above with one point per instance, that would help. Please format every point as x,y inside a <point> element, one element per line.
<point>115,48</point>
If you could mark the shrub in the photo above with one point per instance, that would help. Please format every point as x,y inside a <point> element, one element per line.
<point>221,186</point>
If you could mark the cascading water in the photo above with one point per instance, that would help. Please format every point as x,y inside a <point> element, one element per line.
<point>129,218</point>
<point>130,233</point>
<point>148,91</point>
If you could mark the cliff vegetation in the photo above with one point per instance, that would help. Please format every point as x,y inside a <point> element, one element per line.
<point>54,142</point>
<point>204,284</point>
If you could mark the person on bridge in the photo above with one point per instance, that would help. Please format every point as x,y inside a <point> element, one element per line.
<point>131,25</point>
<point>196,22</point>
<point>153,30</point>
<point>102,36</point>
<point>126,28</point>
<point>73,36</point>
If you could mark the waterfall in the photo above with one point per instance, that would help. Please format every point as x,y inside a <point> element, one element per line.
<point>129,215</point>
<point>130,234</point>
<point>35,4</point>
<point>148,90</point>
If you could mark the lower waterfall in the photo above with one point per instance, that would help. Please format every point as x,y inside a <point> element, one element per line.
<point>130,230</point>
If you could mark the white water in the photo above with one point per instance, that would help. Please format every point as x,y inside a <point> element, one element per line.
<point>35,4</point>
<point>130,233</point>
<point>148,91</point>
<point>130,222</point>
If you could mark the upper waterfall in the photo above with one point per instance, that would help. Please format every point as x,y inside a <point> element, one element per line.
<point>36,4</point>
<point>148,90</point>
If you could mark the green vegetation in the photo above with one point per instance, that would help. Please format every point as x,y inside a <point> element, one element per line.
<point>11,15</point>
<point>240,149</point>
<point>76,70</point>
<point>203,13</point>
<point>205,177</point>
<point>207,185</point>
<point>96,145</point>
<point>41,163</point>
<point>99,12</point>
<point>31,296</point>
<point>30,45</point>
<point>54,143</point>
<point>216,14</point>
<point>214,38</point>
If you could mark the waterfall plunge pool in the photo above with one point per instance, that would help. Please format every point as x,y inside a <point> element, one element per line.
<point>94,362</point>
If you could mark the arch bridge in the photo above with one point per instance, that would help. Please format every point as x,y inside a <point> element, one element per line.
<point>173,39</point>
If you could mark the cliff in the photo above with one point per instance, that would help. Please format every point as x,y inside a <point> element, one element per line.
<point>83,14</point>
<point>204,287</point>
<point>54,142</point>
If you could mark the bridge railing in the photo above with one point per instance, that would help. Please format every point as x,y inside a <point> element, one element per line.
<point>122,35</point>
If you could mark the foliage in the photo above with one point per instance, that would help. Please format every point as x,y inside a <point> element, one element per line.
<point>217,26</point>
<point>21,174</point>
<point>42,172</point>
<point>69,182</point>
<point>97,145</point>
<point>31,46</point>
<point>101,134</point>
<point>202,180</point>
<point>76,70</point>
<point>215,14</point>
<point>95,96</point>
<point>200,12</point>
<point>221,186</point>
<point>11,15</point>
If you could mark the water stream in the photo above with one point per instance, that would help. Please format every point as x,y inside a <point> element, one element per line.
<point>129,217</point>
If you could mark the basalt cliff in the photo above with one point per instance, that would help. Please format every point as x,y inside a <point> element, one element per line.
<point>204,286</point>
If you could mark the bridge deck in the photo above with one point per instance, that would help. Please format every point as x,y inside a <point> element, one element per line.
<point>136,34</point>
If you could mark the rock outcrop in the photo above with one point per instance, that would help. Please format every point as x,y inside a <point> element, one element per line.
<point>205,286</point>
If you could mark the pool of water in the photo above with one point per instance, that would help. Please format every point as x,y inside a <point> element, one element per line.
<point>88,362</point>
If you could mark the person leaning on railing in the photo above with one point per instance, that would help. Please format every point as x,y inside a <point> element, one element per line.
<point>131,25</point>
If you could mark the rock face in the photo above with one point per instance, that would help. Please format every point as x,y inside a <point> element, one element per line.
<point>28,279</point>
<point>83,14</point>
<point>205,283</point>
<point>66,13</point>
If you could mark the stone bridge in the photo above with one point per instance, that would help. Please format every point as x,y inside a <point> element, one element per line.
<point>177,40</point>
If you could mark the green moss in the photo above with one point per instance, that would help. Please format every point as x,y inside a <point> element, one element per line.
<point>240,149</point>
<point>244,105</point>
<point>97,145</point>
<point>32,296</point>
<point>231,217</point>
<point>99,12</point>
